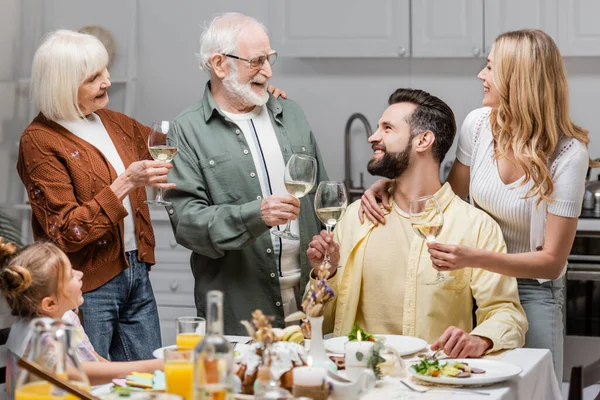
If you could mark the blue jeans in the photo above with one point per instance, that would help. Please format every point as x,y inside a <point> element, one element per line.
<point>121,317</point>
<point>543,304</point>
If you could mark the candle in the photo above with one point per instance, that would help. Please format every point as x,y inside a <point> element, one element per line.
<point>309,376</point>
<point>356,360</point>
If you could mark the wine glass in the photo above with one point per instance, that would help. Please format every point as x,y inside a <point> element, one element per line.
<point>162,145</point>
<point>427,221</point>
<point>331,201</point>
<point>299,178</point>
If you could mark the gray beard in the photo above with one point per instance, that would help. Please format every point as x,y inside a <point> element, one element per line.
<point>242,93</point>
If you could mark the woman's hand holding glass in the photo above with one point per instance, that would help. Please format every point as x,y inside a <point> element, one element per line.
<point>299,178</point>
<point>162,145</point>
<point>427,221</point>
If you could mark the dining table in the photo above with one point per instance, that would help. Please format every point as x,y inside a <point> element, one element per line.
<point>536,381</point>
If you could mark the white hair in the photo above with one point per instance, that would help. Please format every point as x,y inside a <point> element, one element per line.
<point>60,65</point>
<point>221,36</point>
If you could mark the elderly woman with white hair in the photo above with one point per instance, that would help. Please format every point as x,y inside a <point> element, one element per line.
<point>85,168</point>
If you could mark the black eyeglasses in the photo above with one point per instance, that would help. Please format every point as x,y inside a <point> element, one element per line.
<point>256,62</point>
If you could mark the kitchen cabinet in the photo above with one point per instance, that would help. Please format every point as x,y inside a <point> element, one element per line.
<point>447,28</point>
<point>314,28</point>
<point>426,28</point>
<point>578,27</point>
<point>510,15</point>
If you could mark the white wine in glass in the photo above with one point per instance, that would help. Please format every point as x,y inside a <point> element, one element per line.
<point>299,178</point>
<point>331,201</point>
<point>162,146</point>
<point>427,221</point>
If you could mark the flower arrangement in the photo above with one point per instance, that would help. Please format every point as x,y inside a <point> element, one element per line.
<point>319,296</point>
<point>260,329</point>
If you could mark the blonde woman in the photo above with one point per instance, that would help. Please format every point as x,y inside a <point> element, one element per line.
<point>85,168</point>
<point>522,160</point>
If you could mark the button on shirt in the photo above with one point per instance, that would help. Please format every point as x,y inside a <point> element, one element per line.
<point>270,167</point>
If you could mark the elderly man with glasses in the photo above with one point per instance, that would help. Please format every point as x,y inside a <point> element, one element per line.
<point>229,172</point>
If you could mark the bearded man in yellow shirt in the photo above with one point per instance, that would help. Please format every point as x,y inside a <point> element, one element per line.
<point>384,270</point>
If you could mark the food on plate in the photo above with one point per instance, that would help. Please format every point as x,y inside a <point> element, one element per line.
<point>142,381</point>
<point>452,369</point>
<point>364,336</point>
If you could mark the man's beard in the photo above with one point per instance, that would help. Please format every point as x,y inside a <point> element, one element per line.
<point>243,92</point>
<point>391,165</point>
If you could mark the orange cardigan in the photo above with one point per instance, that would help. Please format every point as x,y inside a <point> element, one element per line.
<point>68,183</point>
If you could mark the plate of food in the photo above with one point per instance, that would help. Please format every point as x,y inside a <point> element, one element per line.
<point>471,371</point>
<point>404,345</point>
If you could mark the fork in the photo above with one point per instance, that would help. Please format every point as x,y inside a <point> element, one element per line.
<point>425,390</point>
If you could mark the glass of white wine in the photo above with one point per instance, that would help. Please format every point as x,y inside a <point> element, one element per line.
<point>331,201</point>
<point>427,221</point>
<point>162,145</point>
<point>299,178</point>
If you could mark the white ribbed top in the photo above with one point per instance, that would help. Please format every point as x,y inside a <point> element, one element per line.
<point>504,202</point>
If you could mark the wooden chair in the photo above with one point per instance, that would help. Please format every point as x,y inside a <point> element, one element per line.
<point>582,377</point>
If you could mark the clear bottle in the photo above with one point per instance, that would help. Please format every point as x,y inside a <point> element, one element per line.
<point>267,388</point>
<point>213,361</point>
<point>52,348</point>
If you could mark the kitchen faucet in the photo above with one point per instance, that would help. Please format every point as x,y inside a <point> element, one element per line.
<point>354,192</point>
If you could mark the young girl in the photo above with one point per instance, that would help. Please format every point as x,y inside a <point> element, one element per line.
<point>38,281</point>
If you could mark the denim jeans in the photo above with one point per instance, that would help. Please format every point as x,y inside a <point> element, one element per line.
<point>121,317</point>
<point>543,303</point>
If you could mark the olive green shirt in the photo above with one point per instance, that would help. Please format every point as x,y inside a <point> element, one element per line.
<point>216,208</point>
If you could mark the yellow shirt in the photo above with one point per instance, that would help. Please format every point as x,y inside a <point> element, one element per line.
<point>429,309</point>
<point>384,274</point>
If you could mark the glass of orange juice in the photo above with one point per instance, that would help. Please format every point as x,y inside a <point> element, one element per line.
<point>190,331</point>
<point>179,372</point>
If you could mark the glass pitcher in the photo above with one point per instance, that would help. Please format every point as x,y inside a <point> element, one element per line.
<point>53,348</point>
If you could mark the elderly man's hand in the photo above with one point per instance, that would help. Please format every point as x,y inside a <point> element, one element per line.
<point>320,245</point>
<point>459,344</point>
<point>278,210</point>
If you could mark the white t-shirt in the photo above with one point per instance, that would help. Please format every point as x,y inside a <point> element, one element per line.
<point>504,202</point>
<point>94,132</point>
<point>270,168</point>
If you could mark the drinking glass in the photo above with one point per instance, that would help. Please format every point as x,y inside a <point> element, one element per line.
<point>162,145</point>
<point>427,221</point>
<point>190,331</point>
<point>299,178</point>
<point>331,201</point>
<point>179,372</point>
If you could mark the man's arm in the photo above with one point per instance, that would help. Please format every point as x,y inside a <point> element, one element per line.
<point>500,316</point>
<point>201,226</point>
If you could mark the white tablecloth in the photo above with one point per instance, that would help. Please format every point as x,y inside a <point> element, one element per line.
<point>537,381</point>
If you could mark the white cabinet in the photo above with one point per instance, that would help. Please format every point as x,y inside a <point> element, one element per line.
<point>579,27</point>
<point>171,277</point>
<point>447,28</point>
<point>337,28</point>
<point>510,15</point>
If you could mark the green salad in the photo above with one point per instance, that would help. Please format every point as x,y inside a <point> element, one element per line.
<point>364,336</point>
<point>452,369</point>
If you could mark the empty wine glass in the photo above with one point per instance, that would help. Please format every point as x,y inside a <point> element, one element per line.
<point>162,145</point>
<point>427,221</point>
<point>299,178</point>
<point>331,201</point>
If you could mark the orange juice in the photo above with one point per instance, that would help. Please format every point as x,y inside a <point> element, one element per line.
<point>179,377</point>
<point>188,340</point>
<point>39,391</point>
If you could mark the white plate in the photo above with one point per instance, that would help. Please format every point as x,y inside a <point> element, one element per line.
<point>404,345</point>
<point>238,350</point>
<point>495,371</point>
